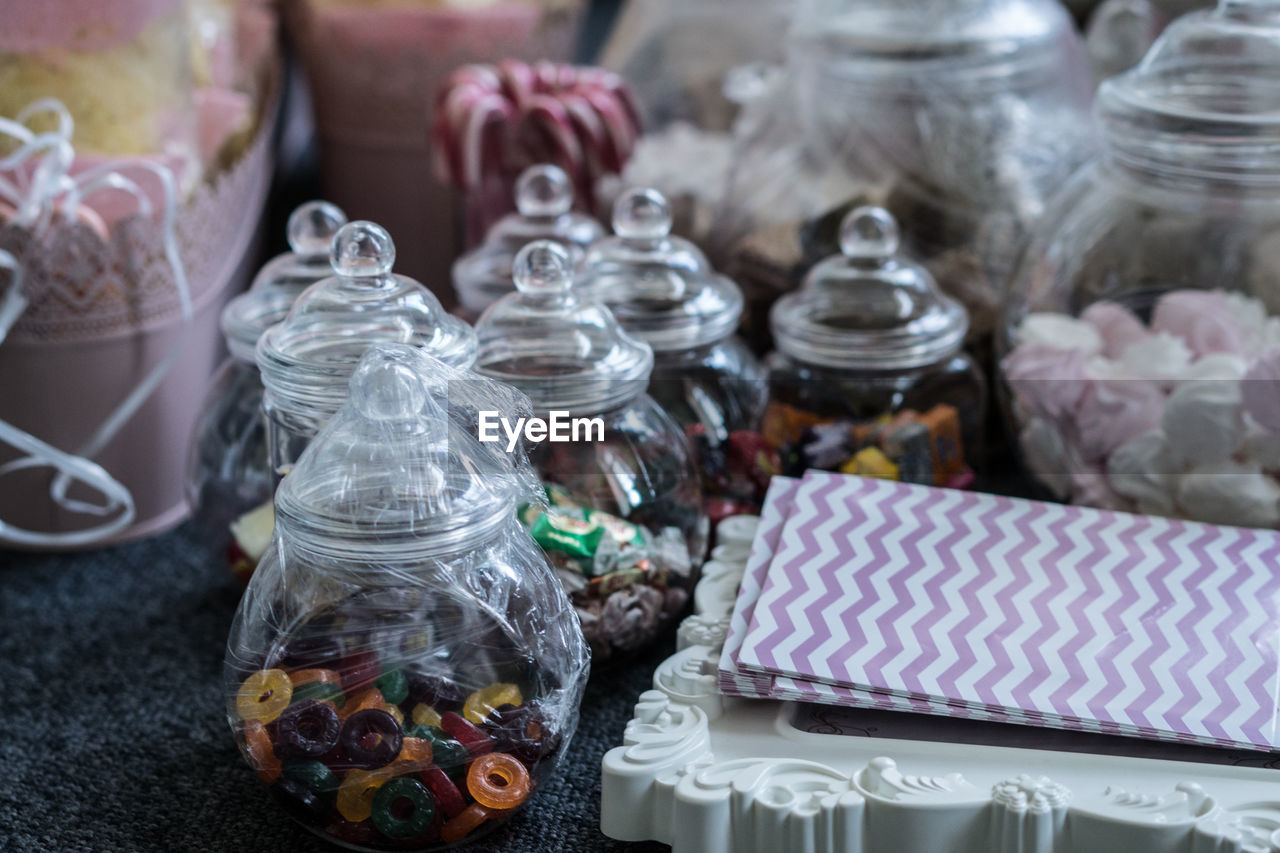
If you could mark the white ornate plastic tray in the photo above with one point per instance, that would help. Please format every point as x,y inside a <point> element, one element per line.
<point>707,773</point>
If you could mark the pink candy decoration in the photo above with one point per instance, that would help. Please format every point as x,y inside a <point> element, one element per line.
<point>1202,318</point>
<point>1112,411</point>
<point>1260,390</point>
<point>497,120</point>
<point>1118,326</point>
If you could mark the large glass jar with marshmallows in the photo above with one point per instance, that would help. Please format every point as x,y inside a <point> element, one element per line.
<point>625,527</point>
<point>1141,347</point>
<point>404,669</point>
<point>663,291</point>
<point>870,376</point>
<point>307,359</point>
<point>229,477</point>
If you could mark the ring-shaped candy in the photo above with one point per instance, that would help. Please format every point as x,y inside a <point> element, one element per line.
<point>458,828</point>
<point>264,695</point>
<point>498,781</point>
<point>390,814</point>
<point>371,738</point>
<point>307,730</point>
<point>355,796</point>
<point>257,746</point>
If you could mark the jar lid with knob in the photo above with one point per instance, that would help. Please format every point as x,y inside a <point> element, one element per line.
<point>660,286</point>
<point>307,359</point>
<point>310,230</point>
<point>869,308</point>
<point>564,350</point>
<point>544,211</point>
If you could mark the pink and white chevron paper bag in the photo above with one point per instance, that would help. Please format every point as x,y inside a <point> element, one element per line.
<point>891,595</point>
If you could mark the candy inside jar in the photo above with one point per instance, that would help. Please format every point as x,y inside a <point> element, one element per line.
<point>869,376</point>
<point>624,525</point>
<point>1139,359</point>
<point>404,669</point>
<point>544,211</point>
<point>663,291</point>
<point>229,482</point>
<point>307,359</point>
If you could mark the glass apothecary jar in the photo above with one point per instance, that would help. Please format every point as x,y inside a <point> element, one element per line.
<point>1140,345</point>
<point>544,211</point>
<point>307,359</point>
<point>229,481</point>
<point>663,291</point>
<point>404,669</point>
<point>870,376</point>
<point>960,117</point>
<point>625,527</point>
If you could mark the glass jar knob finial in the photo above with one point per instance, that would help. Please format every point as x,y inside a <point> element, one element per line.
<point>312,227</point>
<point>543,191</point>
<point>869,235</point>
<point>389,389</point>
<point>362,250</point>
<point>543,268</point>
<point>642,214</point>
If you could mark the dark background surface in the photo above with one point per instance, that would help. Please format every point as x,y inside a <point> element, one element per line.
<point>113,730</point>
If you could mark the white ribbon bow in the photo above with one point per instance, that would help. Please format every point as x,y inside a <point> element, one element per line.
<point>42,198</point>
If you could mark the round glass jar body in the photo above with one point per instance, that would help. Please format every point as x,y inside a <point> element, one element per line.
<point>1140,345</point>
<point>404,668</point>
<point>1135,349</point>
<point>379,699</point>
<point>919,426</point>
<point>625,527</point>
<point>229,473</point>
<point>959,118</point>
<point>229,479</point>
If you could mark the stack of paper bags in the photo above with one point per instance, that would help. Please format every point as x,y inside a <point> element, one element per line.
<point>876,594</point>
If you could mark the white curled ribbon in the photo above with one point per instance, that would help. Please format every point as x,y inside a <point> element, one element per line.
<point>51,192</point>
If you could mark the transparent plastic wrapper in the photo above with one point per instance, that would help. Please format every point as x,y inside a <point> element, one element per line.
<point>229,474</point>
<point>544,211</point>
<point>307,358</point>
<point>1142,337</point>
<point>404,670</point>
<point>663,291</point>
<point>625,528</point>
<point>870,376</point>
<point>958,116</point>
<point>121,68</point>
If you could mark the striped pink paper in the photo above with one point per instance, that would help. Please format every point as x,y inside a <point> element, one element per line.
<point>889,595</point>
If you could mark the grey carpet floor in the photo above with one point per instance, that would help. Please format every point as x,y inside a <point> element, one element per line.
<point>112,728</point>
